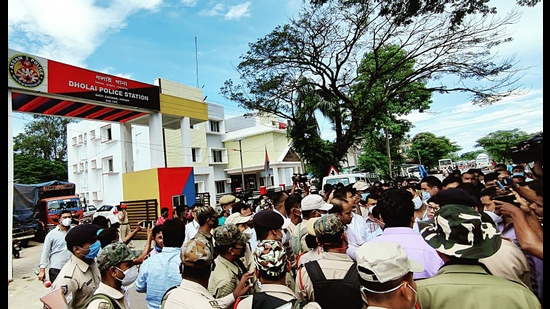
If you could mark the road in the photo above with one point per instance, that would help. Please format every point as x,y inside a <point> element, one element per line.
<point>25,290</point>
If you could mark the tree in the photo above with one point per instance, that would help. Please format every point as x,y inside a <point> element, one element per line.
<point>405,11</point>
<point>45,137</point>
<point>431,148</point>
<point>312,66</point>
<point>498,144</point>
<point>40,153</point>
<point>30,170</point>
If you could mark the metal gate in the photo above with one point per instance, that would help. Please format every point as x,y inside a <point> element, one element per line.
<point>141,210</point>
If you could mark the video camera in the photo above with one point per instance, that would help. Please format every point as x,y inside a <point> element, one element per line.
<point>527,151</point>
<point>299,178</point>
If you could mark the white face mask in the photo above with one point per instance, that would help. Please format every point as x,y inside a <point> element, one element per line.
<point>66,222</point>
<point>417,202</point>
<point>130,275</point>
<point>248,231</point>
<point>371,208</point>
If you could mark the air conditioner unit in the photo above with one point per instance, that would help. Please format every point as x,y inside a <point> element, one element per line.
<point>227,180</point>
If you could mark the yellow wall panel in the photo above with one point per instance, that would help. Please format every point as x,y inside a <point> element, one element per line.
<point>140,185</point>
<point>172,105</point>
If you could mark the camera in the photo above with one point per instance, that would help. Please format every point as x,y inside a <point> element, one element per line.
<point>528,151</point>
<point>299,178</point>
<point>148,224</point>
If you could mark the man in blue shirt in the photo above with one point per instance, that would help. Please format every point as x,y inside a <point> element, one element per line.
<point>54,252</point>
<point>161,271</point>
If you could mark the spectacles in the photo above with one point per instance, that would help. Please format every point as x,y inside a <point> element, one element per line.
<point>432,208</point>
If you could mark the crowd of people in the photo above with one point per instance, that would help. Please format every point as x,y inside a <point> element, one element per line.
<point>470,240</point>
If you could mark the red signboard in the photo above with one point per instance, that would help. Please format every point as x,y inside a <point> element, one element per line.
<point>82,83</point>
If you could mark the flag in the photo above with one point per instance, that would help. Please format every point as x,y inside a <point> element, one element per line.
<point>266,164</point>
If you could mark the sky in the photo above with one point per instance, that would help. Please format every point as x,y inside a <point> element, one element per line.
<point>199,43</point>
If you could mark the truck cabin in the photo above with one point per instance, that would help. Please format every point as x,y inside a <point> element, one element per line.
<point>55,198</point>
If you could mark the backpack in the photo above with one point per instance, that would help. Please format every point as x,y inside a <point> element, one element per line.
<point>335,293</point>
<point>104,297</point>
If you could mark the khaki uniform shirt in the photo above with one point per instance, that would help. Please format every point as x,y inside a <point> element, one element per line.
<point>80,281</point>
<point>225,277</point>
<point>275,290</point>
<point>115,295</point>
<point>192,295</point>
<point>509,262</point>
<point>334,266</point>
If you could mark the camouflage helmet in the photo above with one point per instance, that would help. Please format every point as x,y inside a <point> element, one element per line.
<point>196,252</point>
<point>114,254</point>
<point>206,212</point>
<point>229,234</point>
<point>270,256</point>
<point>459,231</point>
<point>328,225</point>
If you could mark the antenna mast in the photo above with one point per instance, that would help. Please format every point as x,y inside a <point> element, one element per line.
<point>197,61</point>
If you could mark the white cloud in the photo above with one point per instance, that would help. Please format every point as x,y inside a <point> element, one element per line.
<point>238,11</point>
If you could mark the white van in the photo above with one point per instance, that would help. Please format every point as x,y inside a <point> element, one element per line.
<point>347,179</point>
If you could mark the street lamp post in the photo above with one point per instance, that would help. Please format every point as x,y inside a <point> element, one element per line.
<point>242,166</point>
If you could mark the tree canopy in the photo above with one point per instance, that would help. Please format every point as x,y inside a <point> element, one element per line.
<point>359,70</point>
<point>40,152</point>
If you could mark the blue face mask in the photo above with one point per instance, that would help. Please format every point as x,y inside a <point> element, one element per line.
<point>94,250</point>
<point>426,195</point>
<point>158,249</point>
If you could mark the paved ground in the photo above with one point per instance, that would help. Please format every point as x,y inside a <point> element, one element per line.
<point>25,290</point>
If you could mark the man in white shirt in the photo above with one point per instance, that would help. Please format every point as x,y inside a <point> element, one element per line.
<point>192,227</point>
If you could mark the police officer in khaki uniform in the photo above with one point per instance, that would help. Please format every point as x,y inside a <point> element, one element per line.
<point>117,271</point>
<point>334,261</point>
<point>80,277</point>
<point>271,266</point>
<point>196,263</point>
<point>230,244</point>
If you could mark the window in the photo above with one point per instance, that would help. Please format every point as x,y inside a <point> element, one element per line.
<point>75,168</point>
<point>81,167</point>
<point>73,140</point>
<point>217,156</point>
<point>178,200</point>
<point>92,134</point>
<point>106,133</point>
<point>214,126</point>
<point>94,164</point>
<point>220,186</point>
<point>108,165</point>
<point>195,154</point>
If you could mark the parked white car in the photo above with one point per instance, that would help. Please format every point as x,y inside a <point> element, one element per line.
<point>108,211</point>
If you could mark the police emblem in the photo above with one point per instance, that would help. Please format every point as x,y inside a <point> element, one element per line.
<point>26,71</point>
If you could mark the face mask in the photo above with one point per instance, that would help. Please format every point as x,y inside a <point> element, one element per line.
<point>158,249</point>
<point>248,231</point>
<point>364,196</point>
<point>417,202</point>
<point>130,275</point>
<point>66,222</point>
<point>371,208</point>
<point>322,215</point>
<point>426,195</point>
<point>93,250</point>
<point>415,295</point>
